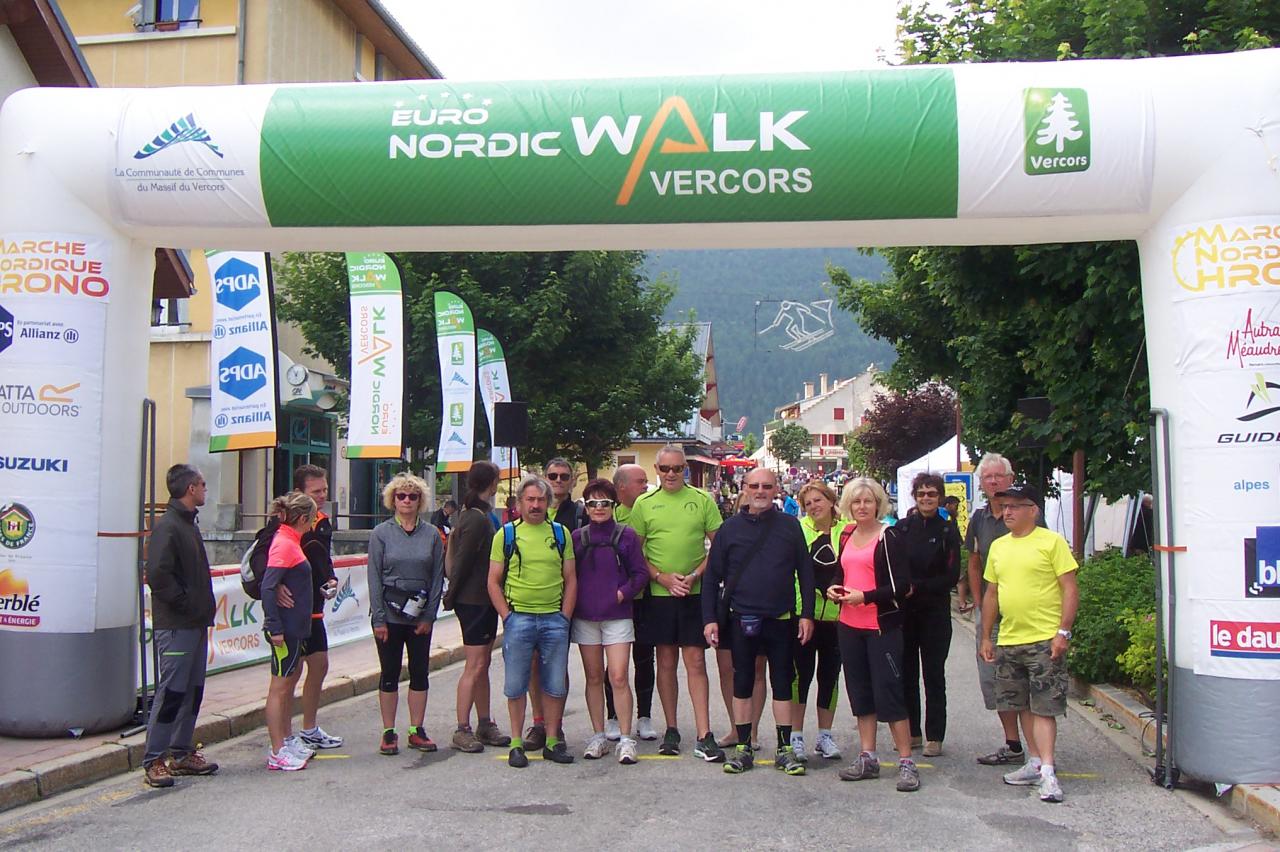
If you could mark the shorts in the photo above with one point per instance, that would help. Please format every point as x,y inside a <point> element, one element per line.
<point>318,642</point>
<point>772,642</point>
<point>613,631</point>
<point>1027,677</point>
<point>286,658</point>
<point>547,635</point>
<point>673,621</point>
<point>873,672</point>
<point>986,671</point>
<point>479,623</point>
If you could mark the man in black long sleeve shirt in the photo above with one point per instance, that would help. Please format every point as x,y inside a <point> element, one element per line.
<point>758,555</point>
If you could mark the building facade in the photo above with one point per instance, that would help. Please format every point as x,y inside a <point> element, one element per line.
<point>828,412</point>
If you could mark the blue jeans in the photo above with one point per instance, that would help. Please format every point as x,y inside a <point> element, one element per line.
<point>523,633</point>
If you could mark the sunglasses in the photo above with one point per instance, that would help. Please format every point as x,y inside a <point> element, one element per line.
<point>564,477</point>
<point>767,486</point>
<point>602,503</point>
<point>404,495</point>
<point>920,494</point>
<point>1008,506</point>
<point>670,468</point>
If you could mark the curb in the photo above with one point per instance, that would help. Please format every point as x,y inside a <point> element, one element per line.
<point>51,777</point>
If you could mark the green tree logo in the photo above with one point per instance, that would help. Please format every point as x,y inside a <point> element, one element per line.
<point>1056,124</point>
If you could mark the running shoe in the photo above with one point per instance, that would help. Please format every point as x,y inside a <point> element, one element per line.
<point>156,774</point>
<point>908,777</point>
<point>517,758</point>
<point>627,751</point>
<point>535,738</point>
<point>785,761</point>
<point>298,747</point>
<point>1050,790</point>
<point>797,748</point>
<point>419,740</point>
<point>557,753</point>
<point>466,741</point>
<point>597,747</point>
<point>489,734</point>
<point>1025,776</point>
<point>612,730</point>
<point>916,742</point>
<point>670,742</point>
<point>707,749</point>
<point>865,766</point>
<point>932,748</point>
<point>827,746</point>
<point>390,742</point>
<point>286,761</point>
<point>192,764</point>
<point>1002,757</point>
<point>741,759</point>
<point>317,737</point>
<point>644,729</point>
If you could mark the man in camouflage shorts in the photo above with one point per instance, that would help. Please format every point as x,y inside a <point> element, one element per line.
<point>1031,588</point>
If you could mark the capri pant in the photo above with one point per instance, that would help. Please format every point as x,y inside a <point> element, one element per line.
<point>401,637</point>
<point>873,672</point>
<point>823,654</point>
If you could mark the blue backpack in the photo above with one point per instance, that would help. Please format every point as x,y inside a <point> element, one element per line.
<point>510,548</point>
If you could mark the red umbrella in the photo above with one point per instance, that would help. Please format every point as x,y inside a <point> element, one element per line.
<point>736,463</point>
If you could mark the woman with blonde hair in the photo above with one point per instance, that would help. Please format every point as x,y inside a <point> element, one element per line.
<point>406,576</point>
<point>874,584</point>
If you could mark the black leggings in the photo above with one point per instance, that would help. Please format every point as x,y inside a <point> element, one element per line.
<point>926,641</point>
<point>773,642</point>
<point>822,653</point>
<point>391,657</point>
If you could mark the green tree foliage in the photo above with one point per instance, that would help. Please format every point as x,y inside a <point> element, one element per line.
<point>856,455</point>
<point>902,426</point>
<point>582,332</point>
<point>750,443</point>
<point>790,443</point>
<point>1062,321</point>
<point>1111,588</point>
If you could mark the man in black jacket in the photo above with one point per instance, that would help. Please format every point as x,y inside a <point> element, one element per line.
<point>182,608</point>
<point>758,555</point>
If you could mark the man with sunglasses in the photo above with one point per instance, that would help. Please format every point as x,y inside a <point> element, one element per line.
<point>1031,586</point>
<point>674,523</point>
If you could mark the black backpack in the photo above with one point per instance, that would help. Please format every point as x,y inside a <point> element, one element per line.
<point>614,538</point>
<point>253,565</point>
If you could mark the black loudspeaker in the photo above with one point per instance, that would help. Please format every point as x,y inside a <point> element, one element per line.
<point>511,424</point>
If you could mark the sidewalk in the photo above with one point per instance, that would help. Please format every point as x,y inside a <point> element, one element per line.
<point>32,769</point>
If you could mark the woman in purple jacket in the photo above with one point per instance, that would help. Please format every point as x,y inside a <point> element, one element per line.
<point>611,572</point>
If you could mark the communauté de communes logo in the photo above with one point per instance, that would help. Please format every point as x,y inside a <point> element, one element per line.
<point>1056,127</point>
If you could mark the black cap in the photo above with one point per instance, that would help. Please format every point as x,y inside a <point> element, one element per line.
<point>1028,492</point>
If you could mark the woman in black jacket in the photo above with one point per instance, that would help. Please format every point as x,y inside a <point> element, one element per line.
<point>933,555</point>
<point>875,583</point>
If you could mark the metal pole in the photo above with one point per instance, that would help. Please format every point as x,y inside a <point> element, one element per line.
<point>1164,772</point>
<point>146,518</point>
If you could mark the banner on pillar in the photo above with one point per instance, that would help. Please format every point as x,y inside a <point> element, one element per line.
<point>244,394</point>
<point>377,357</point>
<point>495,386</point>
<point>53,317</point>
<point>456,341</point>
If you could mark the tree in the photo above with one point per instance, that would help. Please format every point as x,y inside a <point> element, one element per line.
<point>901,427</point>
<point>790,443</point>
<point>1062,321</point>
<point>855,452</point>
<point>582,333</point>
<point>750,443</point>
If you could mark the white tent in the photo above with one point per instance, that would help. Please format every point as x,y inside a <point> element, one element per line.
<point>938,460</point>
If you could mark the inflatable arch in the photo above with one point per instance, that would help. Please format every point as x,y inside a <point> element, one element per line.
<point>1182,155</point>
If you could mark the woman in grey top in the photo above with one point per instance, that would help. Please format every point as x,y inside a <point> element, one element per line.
<point>406,575</point>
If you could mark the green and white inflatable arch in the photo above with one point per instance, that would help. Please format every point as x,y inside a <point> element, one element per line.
<point>1182,155</point>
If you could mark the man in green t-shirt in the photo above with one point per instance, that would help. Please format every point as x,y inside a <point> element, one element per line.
<point>533,586</point>
<point>1031,588</point>
<point>674,523</point>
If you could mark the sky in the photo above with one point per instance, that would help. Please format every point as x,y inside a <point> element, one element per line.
<point>566,39</point>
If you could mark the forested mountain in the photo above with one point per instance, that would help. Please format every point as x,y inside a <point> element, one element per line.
<point>741,293</point>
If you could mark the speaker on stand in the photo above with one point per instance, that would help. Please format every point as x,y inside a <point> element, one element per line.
<point>511,430</point>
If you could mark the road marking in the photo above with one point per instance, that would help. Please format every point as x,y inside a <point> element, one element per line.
<point>1085,775</point>
<point>330,756</point>
<point>638,756</point>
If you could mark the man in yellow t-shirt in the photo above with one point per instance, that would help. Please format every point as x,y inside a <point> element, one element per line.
<point>1031,588</point>
<point>674,523</point>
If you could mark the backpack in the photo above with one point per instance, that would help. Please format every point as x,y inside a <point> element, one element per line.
<point>510,548</point>
<point>253,565</point>
<point>614,538</point>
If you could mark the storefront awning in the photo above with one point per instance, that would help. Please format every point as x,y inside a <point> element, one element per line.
<point>703,460</point>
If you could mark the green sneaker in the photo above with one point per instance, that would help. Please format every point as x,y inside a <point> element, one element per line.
<point>707,749</point>
<point>670,743</point>
<point>741,759</point>
<point>786,761</point>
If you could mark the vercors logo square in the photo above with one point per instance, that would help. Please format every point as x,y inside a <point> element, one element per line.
<point>1257,640</point>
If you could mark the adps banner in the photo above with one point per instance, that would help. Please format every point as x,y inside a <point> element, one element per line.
<point>54,296</point>
<point>377,357</point>
<point>456,343</point>
<point>495,387</point>
<point>244,395</point>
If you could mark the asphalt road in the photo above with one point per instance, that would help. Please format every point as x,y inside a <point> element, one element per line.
<point>354,797</point>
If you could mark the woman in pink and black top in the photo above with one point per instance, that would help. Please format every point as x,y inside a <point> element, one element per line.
<point>876,581</point>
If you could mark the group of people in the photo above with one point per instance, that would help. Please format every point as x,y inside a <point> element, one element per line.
<point>650,579</point>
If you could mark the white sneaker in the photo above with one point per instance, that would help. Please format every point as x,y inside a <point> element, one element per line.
<point>627,751</point>
<point>1025,776</point>
<point>1050,790</point>
<point>612,730</point>
<point>597,747</point>
<point>296,746</point>
<point>286,761</point>
<point>827,747</point>
<point>797,748</point>
<point>320,738</point>
<point>644,729</point>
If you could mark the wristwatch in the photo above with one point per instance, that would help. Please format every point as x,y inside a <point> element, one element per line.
<point>1065,634</point>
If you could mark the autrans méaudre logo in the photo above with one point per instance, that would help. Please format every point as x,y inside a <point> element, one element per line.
<point>457,130</point>
<point>1056,124</point>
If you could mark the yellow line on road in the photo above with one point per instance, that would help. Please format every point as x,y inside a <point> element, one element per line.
<point>1077,775</point>
<point>330,756</point>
